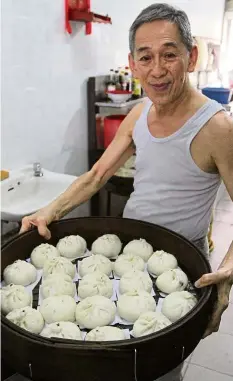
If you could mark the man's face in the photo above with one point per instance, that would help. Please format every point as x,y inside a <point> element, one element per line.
<point>161,61</point>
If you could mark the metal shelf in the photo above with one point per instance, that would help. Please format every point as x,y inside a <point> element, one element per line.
<point>120,105</point>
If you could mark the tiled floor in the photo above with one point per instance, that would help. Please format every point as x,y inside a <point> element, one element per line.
<point>212,360</point>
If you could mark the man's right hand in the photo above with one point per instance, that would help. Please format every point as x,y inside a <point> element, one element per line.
<point>40,220</point>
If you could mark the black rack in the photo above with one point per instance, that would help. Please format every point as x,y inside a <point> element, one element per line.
<point>99,104</point>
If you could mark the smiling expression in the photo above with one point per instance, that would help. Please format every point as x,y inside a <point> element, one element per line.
<point>161,61</point>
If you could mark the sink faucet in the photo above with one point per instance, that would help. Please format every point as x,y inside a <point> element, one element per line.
<point>37,170</point>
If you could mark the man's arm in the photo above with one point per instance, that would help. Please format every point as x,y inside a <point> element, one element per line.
<point>223,157</point>
<point>120,149</point>
<point>82,189</point>
<point>221,140</point>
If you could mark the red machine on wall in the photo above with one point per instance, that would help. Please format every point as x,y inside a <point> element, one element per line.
<point>79,10</point>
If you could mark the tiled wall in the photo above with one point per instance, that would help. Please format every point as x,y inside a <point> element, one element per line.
<point>44,74</point>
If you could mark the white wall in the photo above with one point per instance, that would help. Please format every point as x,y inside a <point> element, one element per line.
<point>44,74</point>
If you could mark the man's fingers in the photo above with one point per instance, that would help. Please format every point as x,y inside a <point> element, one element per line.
<point>39,223</point>
<point>208,279</point>
<point>212,327</point>
<point>223,280</point>
<point>26,225</point>
<point>44,232</point>
<point>207,333</point>
<point>215,321</point>
<point>42,229</point>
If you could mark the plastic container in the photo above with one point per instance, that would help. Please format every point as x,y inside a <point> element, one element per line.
<point>111,125</point>
<point>219,94</point>
<point>99,131</point>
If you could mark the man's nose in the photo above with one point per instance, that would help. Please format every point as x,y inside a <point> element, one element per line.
<point>158,68</point>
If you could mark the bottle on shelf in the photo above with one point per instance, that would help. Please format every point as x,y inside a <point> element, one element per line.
<point>122,77</point>
<point>126,84</point>
<point>117,80</point>
<point>112,75</point>
<point>111,85</point>
<point>137,89</point>
<point>116,76</point>
<point>129,78</point>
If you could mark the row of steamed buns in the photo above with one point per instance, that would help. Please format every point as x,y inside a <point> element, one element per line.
<point>136,253</point>
<point>135,285</point>
<point>138,308</point>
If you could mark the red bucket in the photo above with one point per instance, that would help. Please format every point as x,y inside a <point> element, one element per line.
<point>111,125</point>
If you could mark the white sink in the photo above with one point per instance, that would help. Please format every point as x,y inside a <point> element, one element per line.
<point>23,193</point>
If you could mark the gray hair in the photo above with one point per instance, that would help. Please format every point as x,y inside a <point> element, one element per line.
<point>167,12</point>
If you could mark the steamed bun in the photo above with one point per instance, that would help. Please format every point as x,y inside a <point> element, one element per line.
<point>27,318</point>
<point>20,272</point>
<point>57,284</point>
<point>58,308</point>
<point>95,311</point>
<point>108,245</point>
<point>72,246</point>
<point>178,304</point>
<point>96,283</point>
<point>160,262</point>
<point>58,265</point>
<point>62,330</point>
<point>93,263</point>
<point>139,247</point>
<point>42,253</point>
<point>150,322</point>
<point>105,334</point>
<point>128,262</point>
<point>172,280</point>
<point>132,304</point>
<point>13,297</point>
<point>135,280</point>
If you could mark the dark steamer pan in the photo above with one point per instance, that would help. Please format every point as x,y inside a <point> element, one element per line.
<point>142,359</point>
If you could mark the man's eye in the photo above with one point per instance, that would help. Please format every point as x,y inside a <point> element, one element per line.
<point>169,56</point>
<point>145,58</point>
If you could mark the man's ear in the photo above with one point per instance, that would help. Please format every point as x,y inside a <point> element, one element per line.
<point>132,65</point>
<point>193,56</point>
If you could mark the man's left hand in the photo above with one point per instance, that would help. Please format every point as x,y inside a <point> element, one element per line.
<point>223,278</point>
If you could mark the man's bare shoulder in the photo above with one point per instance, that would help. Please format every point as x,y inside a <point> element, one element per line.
<point>220,129</point>
<point>129,122</point>
<point>219,138</point>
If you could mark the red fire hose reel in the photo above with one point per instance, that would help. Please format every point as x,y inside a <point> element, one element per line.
<point>79,10</point>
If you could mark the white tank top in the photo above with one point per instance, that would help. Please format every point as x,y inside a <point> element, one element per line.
<point>169,188</point>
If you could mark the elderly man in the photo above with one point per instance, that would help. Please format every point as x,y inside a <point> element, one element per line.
<point>183,143</point>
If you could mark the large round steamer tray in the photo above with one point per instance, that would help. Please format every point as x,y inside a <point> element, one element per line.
<point>143,359</point>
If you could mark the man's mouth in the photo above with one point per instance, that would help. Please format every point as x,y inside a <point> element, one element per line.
<point>161,86</point>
